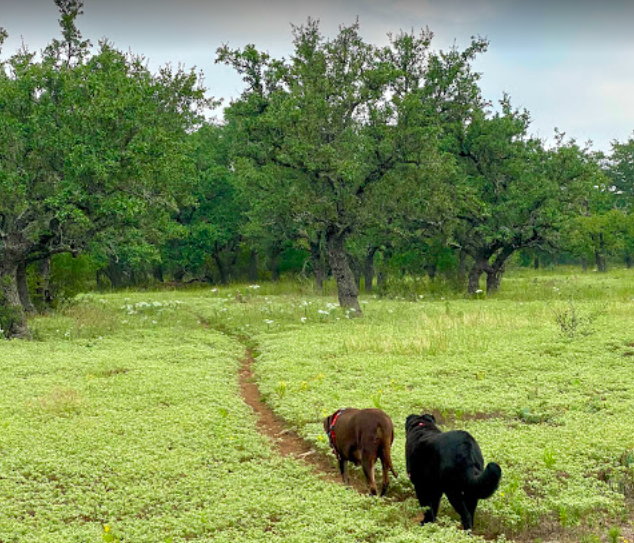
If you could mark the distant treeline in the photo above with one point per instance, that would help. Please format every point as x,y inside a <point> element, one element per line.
<point>345,160</point>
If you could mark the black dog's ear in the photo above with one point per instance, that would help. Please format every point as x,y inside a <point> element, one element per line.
<point>409,421</point>
<point>428,417</point>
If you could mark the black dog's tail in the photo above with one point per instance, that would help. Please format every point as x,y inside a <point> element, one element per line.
<point>486,483</point>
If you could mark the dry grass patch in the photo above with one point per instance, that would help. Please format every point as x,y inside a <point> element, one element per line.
<point>60,401</point>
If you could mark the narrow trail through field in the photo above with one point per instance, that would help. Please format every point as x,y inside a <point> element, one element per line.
<point>287,442</point>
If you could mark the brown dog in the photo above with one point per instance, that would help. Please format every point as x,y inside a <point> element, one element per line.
<point>362,436</point>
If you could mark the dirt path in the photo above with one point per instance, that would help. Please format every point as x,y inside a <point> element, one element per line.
<point>287,442</point>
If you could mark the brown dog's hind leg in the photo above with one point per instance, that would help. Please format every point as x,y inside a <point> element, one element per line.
<point>385,465</point>
<point>368,470</point>
<point>343,469</point>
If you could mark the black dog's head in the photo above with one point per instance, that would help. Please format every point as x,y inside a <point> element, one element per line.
<point>416,421</point>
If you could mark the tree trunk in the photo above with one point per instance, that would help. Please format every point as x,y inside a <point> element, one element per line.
<point>599,255</point>
<point>382,272</point>
<point>114,273</point>
<point>12,315</point>
<point>222,270</point>
<point>346,286</point>
<point>496,270</point>
<point>475,273</point>
<point>356,269</point>
<point>536,263</point>
<point>494,278</point>
<point>157,272</point>
<point>462,267</point>
<point>628,260</point>
<point>23,288</point>
<point>600,261</point>
<point>274,263</point>
<point>368,269</point>
<point>44,283</point>
<point>381,280</point>
<point>318,263</point>
<point>253,266</point>
<point>179,274</point>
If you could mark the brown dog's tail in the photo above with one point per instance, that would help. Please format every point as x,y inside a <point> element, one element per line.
<point>386,448</point>
<point>486,483</point>
<point>389,462</point>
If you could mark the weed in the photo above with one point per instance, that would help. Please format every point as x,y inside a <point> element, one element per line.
<point>574,322</point>
<point>549,458</point>
<point>108,536</point>
<point>281,389</point>
<point>529,417</point>
<point>614,534</point>
<point>376,399</point>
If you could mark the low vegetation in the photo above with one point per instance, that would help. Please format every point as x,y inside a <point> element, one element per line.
<point>122,420</point>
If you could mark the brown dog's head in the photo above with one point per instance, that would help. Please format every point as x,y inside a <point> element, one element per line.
<point>328,422</point>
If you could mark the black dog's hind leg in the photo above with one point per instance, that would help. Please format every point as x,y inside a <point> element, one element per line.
<point>459,503</point>
<point>429,499</point>
<point>471,503</point>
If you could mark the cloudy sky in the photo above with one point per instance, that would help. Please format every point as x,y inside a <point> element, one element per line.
<point>569,62</point>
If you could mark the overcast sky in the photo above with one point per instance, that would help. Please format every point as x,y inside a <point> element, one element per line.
<point>570,63</point>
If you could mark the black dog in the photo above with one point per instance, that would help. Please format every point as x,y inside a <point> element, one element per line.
<point>362,436</point>
<point>447,462</point>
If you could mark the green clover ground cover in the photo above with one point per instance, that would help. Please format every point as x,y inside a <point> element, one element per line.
<point>123,421</point>
<point>554,408</point>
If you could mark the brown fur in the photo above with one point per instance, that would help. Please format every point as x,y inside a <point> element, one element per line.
<point>362,436</point>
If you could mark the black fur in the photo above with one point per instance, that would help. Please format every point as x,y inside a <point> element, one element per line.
<point>450,463</point>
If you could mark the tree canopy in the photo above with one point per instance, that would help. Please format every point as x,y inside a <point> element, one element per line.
<point>341,152</point>
<point>91,144</point>
<point>330,132</point>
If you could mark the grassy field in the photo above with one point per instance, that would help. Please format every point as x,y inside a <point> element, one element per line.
<point>123,421</point>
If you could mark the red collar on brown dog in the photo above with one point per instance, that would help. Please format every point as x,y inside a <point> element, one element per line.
<point>331,432</point>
